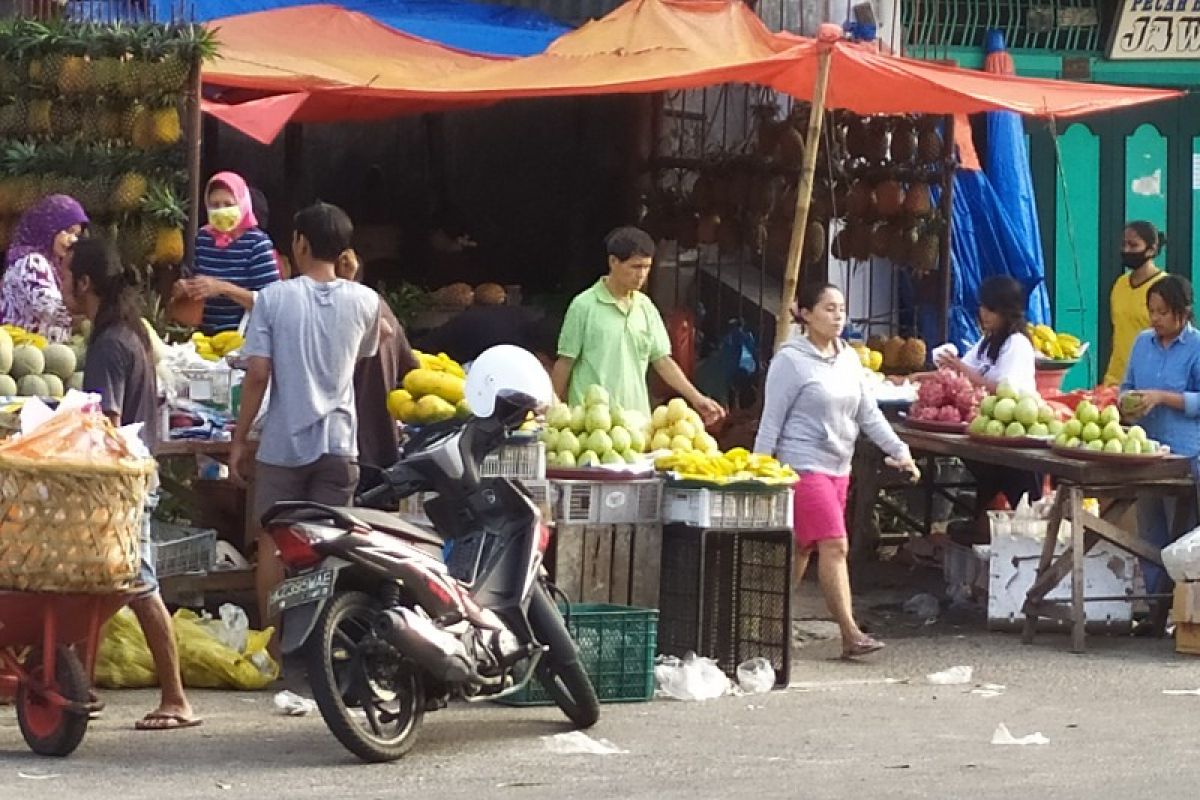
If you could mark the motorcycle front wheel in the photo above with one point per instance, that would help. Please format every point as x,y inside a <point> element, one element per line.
<point>559,671</point>
<point>371,703</point>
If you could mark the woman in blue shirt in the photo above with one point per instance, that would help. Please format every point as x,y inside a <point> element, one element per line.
<point>1161,392</point>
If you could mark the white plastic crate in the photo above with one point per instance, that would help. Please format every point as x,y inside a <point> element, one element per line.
<point>525,461</point>
<point>728,508</point>
<point>544,495</point>
<point>609,502</point>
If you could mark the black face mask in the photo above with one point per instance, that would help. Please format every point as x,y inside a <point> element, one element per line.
<point>1135,260</point>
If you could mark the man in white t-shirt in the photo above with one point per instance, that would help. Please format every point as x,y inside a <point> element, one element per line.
<point>304,340</point>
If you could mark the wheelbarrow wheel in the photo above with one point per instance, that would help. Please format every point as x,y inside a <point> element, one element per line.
<point>50,729</point>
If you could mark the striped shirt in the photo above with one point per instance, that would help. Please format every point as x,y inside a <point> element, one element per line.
<point>249,262</point>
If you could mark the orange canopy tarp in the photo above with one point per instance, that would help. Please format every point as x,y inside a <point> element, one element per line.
<point>322,63</point>
<point>352,67</point>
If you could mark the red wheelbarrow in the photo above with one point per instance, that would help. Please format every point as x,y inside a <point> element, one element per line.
<point>48,645</point>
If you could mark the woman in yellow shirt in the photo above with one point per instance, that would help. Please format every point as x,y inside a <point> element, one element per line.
<point>1127,302</point>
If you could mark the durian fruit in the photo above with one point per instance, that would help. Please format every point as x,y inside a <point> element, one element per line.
<point>889,198</point>
<point>912,355</point>
<point>929,142</point>
<point>880,240</point>
<point>925,252</point>
<point>877,139</point>
<point>814,242</point>
<point>891,354</point>
<point>918,201</point>
<point>860,200</point>
<point>904,141</point>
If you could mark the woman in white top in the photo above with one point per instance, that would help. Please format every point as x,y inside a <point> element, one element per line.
<point>1003,354</point>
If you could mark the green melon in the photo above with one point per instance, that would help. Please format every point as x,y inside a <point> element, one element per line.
<point>8,387</point>
<point>78,345</point>
<point>76,382</point>
<point>60,361</point>
<point>54,385</point>
<point>33,386</point>
<point>6,351</point>
<point>27,360</point>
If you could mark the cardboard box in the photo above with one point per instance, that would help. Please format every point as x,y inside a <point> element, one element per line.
<point>1187,618</point>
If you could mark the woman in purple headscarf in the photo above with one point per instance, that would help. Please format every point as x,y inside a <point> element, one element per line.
<point>31,295</point>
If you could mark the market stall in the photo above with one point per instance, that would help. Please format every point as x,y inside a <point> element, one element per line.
<point>1115,483</point>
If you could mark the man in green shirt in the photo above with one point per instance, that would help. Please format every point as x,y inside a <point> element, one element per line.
<point>612,333</point>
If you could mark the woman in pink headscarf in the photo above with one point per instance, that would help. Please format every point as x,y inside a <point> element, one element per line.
<point>234,258</point>
<point>31,294</point>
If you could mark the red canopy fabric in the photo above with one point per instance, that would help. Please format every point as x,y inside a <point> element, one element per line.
<point>864,81</point>
<point>352,67</point>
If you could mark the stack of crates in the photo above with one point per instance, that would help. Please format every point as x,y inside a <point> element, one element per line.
<point>726,594</point>
<point>607,540</point>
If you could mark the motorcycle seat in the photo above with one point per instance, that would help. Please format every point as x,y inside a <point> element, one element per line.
<point>391,524</point>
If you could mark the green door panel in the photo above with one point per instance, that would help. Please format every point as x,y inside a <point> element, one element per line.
<point>1146,178</point>
<point>1077,247</point>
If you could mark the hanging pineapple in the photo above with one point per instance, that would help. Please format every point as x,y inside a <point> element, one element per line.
<point>169,217</point>
<point>128,193</point>
<point>163,126</point>
<point>135,126</point>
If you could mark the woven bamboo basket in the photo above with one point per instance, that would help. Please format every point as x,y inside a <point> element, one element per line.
<point>71,527</point>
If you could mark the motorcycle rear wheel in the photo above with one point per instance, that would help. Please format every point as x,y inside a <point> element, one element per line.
<point>559,671</point>
<point>375,718</point>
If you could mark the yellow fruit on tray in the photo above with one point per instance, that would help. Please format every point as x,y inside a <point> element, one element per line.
<point>431,409</point>
<point>423,382</point>
<point>1054,345</point>
<point>396,402</point>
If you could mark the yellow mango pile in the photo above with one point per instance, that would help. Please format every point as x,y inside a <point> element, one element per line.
<point>214,348</point>
<point>431,393</point>
<point>734,466</point>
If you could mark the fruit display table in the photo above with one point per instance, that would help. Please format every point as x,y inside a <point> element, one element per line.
<point>1115,483</point>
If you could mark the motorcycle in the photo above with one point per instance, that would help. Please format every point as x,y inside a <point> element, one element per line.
<point>388,631</point>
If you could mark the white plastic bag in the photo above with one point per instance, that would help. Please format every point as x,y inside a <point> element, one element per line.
<point>693,678</point>
<point>231,630</point>
<point>1182,557</point>
<point>756,676</point>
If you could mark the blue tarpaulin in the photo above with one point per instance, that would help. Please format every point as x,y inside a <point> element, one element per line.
<point>984,243</point>
<point>476,27</point>
<point>995,227</point>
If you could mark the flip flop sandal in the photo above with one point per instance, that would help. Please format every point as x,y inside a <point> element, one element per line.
<point>166,722</point>
<point>863,647</point>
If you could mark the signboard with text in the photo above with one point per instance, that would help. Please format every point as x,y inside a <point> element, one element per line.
<point>1156,29</point>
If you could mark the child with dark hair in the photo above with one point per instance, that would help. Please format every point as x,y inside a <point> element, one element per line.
<point>1161,392</point>
<point>1004,354</point>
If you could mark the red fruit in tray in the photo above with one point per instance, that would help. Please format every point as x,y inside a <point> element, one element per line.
<point>949,414</point>
<point>931,392</point>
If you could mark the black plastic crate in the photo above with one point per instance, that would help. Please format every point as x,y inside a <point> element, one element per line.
<point>726,594</point>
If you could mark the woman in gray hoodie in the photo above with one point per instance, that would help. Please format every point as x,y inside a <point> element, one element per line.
<point>816,403</point>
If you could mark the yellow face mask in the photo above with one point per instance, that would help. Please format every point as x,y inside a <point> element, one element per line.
<point>224,219</point>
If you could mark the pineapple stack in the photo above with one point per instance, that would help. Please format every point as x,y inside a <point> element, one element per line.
<point>93,111</point>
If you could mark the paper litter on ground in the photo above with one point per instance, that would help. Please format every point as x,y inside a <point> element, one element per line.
<point>1004,736</point>
<point>579,742</point>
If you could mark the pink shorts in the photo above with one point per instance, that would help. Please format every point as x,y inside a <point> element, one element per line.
<point>820,506</point>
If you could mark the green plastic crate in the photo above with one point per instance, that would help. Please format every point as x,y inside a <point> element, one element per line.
<point>616,645</point>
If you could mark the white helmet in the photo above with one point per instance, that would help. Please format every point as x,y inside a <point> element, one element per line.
<point>509,372</point>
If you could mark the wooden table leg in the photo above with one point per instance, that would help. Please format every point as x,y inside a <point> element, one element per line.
<point>1078,612</point>
<point>1034,598</point>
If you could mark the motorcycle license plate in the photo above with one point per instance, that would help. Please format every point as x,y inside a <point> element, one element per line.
<point>302,590</point>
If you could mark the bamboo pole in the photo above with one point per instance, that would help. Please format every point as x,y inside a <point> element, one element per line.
<point>195,128</point>
<point>812,141</point>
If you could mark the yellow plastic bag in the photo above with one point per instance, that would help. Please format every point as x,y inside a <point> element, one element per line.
<point>124,660</point>
<point>206,663</point>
